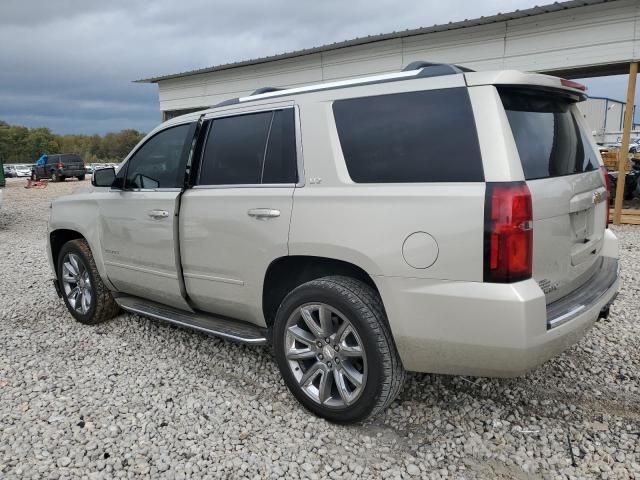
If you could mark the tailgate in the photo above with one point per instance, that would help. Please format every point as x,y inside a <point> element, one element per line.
<point>568,192</point>
<point>72,162</point>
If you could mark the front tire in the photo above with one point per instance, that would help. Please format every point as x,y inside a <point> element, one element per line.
<point>335,351</point>
<point>86,296</point>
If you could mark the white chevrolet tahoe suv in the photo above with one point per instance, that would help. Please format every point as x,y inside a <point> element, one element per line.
<point>433,220</point>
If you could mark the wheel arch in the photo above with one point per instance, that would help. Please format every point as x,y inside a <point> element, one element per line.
<point>57,238</point>
<point>66,232</point>
<point>286,273</point>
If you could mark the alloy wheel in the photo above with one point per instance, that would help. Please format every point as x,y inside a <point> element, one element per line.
<point>326,355</point>
<point>76,283</point>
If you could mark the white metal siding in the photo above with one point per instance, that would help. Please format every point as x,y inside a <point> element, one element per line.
<point>602,115</point>
<point>594,110</point>
<point>586,36</point>
<point>615,116</point>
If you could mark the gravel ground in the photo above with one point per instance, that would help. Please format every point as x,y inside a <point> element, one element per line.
<point>136,398</point>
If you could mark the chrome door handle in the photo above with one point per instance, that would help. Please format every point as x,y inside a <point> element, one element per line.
<point>158,214</point>
<point>262,213</point>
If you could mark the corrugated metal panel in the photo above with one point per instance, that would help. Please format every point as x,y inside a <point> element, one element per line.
<point>602,115</point>
<point>594,110</point>
<point>518,14</point>
<point>600,33</point>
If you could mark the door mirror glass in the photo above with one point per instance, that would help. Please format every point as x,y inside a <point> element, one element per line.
<point>103,177</point>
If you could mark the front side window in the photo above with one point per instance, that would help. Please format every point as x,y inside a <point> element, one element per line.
<point>159,163</point>
<point>425,136</point>
<point>251,149</point>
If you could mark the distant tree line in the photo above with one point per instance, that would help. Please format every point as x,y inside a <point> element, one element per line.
<point>25,145</point>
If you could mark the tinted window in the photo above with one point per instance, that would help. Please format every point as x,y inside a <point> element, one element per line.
<point>234,151</point>
<point>410,137</point>
<point>280,165</point>
<point>159,163</point>
<point>250,149</point>
<point>70,158</point>
<point>549,140</point>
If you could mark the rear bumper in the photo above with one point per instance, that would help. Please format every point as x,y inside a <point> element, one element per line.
<point>570,306</point>
<point>484,329</point>
<point>72,172</point>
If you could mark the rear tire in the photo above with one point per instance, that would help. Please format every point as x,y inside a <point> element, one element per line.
<point>86,296</point>
<point>81,177</point>
<point>333,331</point>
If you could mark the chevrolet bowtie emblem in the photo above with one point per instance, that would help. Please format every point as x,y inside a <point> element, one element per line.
<point>597,198</point>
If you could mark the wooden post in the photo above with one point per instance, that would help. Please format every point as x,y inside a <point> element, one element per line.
<point>624,147</point>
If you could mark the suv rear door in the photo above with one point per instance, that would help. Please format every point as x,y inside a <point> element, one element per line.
<point>138,223</point>
<point>73,164</point>
<point>562,170</point>
<point>235,221</point>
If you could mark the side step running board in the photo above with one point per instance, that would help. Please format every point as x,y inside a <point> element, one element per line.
<point>233,330</point>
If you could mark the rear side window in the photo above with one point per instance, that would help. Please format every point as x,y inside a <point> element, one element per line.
<point>549,139</point>
<point>427,136</point>
<point>280,165</point>
<point>250,149</point>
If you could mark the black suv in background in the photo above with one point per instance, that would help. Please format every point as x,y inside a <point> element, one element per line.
<point>58,167</point>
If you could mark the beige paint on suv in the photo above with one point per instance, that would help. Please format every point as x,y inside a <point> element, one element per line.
<point>435,220</point>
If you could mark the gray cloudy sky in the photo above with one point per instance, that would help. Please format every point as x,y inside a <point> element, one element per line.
<point>68,64</point>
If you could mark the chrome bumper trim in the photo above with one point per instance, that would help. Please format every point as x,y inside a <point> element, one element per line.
<point>565,309</point>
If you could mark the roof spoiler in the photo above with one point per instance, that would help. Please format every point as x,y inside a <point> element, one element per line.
<point>445,68</point>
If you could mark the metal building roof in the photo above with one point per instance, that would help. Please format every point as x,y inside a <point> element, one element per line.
<point>500,17</point>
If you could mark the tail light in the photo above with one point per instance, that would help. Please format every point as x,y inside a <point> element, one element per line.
<point>607,183</point>
<point>508,232</point>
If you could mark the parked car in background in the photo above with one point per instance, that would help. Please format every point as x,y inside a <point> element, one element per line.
<point>59,167</point>
<point>23,170</point>
<point>88,168</point>
<point>10,171</point>
<point>634,146</point>
<point>395,243</point>
<point>98,166</point>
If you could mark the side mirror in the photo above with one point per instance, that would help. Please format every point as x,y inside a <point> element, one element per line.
<point>103,177</point>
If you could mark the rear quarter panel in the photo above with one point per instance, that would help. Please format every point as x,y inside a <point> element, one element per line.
<point>367,224</point>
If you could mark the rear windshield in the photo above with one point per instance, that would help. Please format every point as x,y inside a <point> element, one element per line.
<point>425,136</point>
<point>549,139</point>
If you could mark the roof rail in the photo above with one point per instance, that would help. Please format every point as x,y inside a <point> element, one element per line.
<point>266,90</point>
<point>233,101</point>
<point>418,69</point>
<point>228,101</point>
<point>433,69</point>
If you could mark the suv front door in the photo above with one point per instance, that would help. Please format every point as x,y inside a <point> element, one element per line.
<point>235,221</point>
<point>138,223</point>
